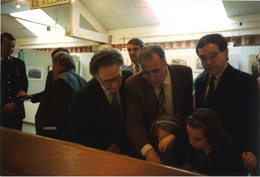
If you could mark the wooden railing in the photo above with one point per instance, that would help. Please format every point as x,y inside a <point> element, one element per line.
<point>28,154</point>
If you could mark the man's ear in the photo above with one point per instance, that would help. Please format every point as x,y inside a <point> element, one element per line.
<point>226,53</point>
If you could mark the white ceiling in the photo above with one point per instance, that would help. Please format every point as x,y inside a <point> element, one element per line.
<point>112,14</point>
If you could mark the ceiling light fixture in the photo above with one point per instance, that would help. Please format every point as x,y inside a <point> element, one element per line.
<point>17,5</point>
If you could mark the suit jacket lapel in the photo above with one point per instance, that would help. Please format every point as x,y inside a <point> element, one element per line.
<point>224,79</point>
<point>200,90</point>
<point>175,89</point>
<point>150,97</point>
<point>100,95</point>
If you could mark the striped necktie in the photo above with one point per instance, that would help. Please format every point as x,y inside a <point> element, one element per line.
<point>137,69</point>
<point>162,100</point>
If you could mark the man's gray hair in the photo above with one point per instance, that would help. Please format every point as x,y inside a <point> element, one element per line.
<point>65,60</point>
<point>105,58</point>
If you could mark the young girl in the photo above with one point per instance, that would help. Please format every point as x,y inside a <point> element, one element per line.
<point>211,150</point>
<point>169,136</point>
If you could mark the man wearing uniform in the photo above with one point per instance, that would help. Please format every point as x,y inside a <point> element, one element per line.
<point>13,80</point>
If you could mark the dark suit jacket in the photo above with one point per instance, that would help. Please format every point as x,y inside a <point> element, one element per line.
<point>236,101</point>
<point>142,104</point>
<point>92,118</point>
<point>63,86</point>
<point>13,79</point>
<point>38,96</point>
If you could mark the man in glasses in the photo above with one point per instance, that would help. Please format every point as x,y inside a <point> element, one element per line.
<point>232,94</point>
<point>159,89</point>
<point>98,109</point>
<point>134,47</point>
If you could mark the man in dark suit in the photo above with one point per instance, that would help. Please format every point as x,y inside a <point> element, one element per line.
<point>43,115</point>
<point>54,122</point>
<point>158,89</point>
<point>13,80</point>
<point>232,94</point>
<point>35,98</point>
<point>134,47</point>
<point>95,122</point>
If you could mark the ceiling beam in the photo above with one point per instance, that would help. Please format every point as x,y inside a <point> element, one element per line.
<point>74,30</point>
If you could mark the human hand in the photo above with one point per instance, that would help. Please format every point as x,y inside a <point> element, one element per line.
<point>152,156</point>
<point>166,143</point>
<point>249,160</point>
<point>9,108</point>
<point>23,95</point>
<point>113,148</point>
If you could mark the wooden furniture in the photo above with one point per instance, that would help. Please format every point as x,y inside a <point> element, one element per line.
<point>28,154</point>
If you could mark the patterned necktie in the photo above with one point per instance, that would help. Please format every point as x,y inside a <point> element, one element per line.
<point>162,100</point>
<point>116,108</point>
<point>211,88</point>
<point>136,69</point>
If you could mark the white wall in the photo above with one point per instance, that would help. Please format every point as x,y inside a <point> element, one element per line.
<point>84,59</point>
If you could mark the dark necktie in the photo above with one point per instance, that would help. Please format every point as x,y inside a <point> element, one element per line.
<point>116,108</point>
<point>211,88</point>
<point>137,69</point>
<point>162,100</point>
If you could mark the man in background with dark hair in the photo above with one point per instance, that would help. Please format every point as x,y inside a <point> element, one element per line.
<point>231,93</point>
<point>134,47</point>
<point>13,80</point>
<point>98,108</point>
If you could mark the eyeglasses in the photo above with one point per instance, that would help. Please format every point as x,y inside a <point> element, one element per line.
<point>108,83</point>
<point>212,56</point>
<point>154,73</point>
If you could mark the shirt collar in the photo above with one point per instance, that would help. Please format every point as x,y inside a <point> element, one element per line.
<point>134,66</point>
<point>218,76</point>
<point>167,80</point>
<point>105,90</point>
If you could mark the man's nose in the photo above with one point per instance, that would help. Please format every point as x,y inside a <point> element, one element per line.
<point>114,84</point>
<point>208,61</point>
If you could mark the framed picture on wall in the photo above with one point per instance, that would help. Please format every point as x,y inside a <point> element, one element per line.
<point>253,66</point>
<point>34,72</point>
<point>197,65</point>
<point>180,60</point>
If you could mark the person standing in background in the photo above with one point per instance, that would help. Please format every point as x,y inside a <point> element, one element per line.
<point>35,98</point>
<point>13,80</point>
<point>64,84</point>
<point>43,112</point>
<point>134,47</point>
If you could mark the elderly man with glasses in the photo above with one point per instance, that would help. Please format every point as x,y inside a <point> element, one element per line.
<point>158,89</point>
<point>233,95</point>
<point>98,109</point>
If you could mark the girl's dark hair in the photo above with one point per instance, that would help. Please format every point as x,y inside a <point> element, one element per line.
<point>212,126</point>
<point>171,124</point>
